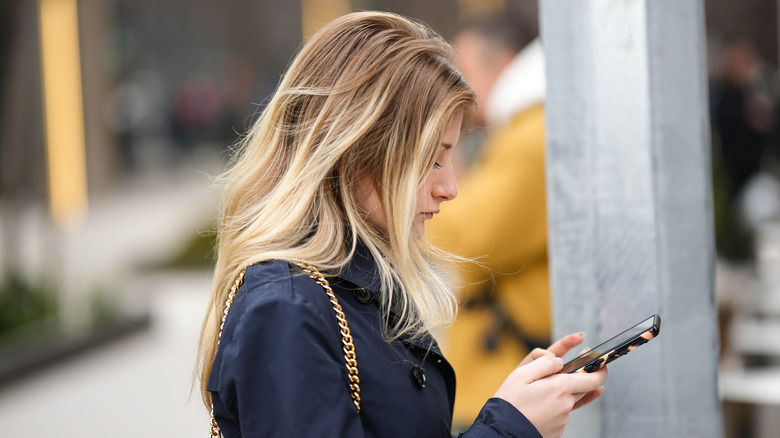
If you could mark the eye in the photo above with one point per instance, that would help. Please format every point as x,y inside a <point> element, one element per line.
<point>436,165</point>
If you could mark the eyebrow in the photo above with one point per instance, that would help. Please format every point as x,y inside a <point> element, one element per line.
<point>446,146</point>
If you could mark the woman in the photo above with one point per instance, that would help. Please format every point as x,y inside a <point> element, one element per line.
<point>350,158</point>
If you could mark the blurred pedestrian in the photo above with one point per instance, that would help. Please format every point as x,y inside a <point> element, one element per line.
<point>743,115</point>
<point>500,216</point>
<point>743,119</point>
<point>325,295</point>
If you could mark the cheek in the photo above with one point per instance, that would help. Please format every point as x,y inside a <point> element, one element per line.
<point>376,214</point>
<point>368,200</point>
<point>423,193</point>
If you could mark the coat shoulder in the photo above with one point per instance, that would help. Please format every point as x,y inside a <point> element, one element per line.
<point>275,294</point>
<point>275,298</point>
<point>281,282</point>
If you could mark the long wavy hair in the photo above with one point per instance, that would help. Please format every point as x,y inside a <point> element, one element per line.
<point>369,96</point>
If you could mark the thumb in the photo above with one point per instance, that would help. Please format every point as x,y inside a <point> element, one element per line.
<point>541,367</point>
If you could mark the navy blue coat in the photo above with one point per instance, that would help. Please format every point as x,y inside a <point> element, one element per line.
<point>280,371</point>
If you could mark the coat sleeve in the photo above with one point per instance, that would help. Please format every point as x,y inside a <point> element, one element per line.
<point>282,372</point>
<point>499,419</point>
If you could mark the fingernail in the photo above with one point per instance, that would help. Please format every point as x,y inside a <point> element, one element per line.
<point>559,360</point>
<point>582,334</point>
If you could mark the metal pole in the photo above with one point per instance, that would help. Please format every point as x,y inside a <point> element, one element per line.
<point>629,199</point>
<point>63,111</point>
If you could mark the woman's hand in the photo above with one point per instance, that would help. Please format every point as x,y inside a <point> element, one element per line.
<point>547,398</point>
<point>558,349</point>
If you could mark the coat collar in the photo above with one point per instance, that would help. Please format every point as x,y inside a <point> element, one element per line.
<point>362,271</point>
<point>521,85</point>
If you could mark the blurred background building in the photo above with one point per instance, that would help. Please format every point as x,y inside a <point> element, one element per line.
<point>116,114</point>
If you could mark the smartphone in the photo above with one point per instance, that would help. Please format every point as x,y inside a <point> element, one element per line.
<point>620,345</point>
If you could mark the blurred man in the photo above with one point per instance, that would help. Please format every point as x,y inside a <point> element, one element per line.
<point>499,217</point>
<point>744,122</point>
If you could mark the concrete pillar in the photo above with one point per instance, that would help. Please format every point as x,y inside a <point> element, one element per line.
<point>629,199</point>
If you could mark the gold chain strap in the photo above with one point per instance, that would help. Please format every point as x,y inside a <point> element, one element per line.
<point>346,337</point>
<point>215,432</point>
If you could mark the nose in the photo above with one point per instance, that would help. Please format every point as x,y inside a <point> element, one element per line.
<point>445,187</point>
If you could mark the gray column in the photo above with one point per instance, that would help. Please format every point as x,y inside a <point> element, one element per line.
<point>629,199</point>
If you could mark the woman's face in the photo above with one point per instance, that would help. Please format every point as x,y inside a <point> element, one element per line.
<point>438,186</point>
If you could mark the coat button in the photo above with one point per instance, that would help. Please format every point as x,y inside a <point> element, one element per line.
<point>363,295</point>
<point>419,375</point>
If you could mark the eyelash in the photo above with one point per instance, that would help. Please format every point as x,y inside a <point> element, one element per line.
<point>436,165</point>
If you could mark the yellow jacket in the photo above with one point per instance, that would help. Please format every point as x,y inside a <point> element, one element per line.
<point>499,218</point>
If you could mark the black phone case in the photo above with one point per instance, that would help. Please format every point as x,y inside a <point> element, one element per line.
<point>600,359</point>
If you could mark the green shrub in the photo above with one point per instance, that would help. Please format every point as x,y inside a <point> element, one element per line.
<point>24,303</point>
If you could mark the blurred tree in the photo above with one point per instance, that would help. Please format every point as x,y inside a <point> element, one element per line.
<point>21,134</point>
<point>7,12</point>
<point>7,153</point>
<point>22,174</point>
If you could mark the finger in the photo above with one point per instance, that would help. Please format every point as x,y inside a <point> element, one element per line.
<point>539,368</point>
<point>536,353</point>
<point>586,382</point>
<point>589,397</point>
<point>566,343</point>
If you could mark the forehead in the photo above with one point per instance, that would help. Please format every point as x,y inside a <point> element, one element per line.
<point>452,133</point>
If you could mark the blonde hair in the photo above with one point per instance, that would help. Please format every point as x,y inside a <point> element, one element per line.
<point>369,95</point>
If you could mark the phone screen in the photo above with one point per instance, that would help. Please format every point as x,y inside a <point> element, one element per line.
<point>619,345</point>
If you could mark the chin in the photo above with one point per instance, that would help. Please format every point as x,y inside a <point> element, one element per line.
<point>418,231</point>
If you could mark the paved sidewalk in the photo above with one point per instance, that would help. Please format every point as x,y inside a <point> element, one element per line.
<point>139,385</point>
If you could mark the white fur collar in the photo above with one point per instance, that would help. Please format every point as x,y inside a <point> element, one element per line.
<point>521,85</point>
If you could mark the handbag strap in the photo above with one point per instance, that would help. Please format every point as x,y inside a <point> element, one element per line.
<point>350,357</point>
<point>215,432</point>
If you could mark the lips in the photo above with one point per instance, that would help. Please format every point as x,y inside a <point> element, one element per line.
<point>428,214</point>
